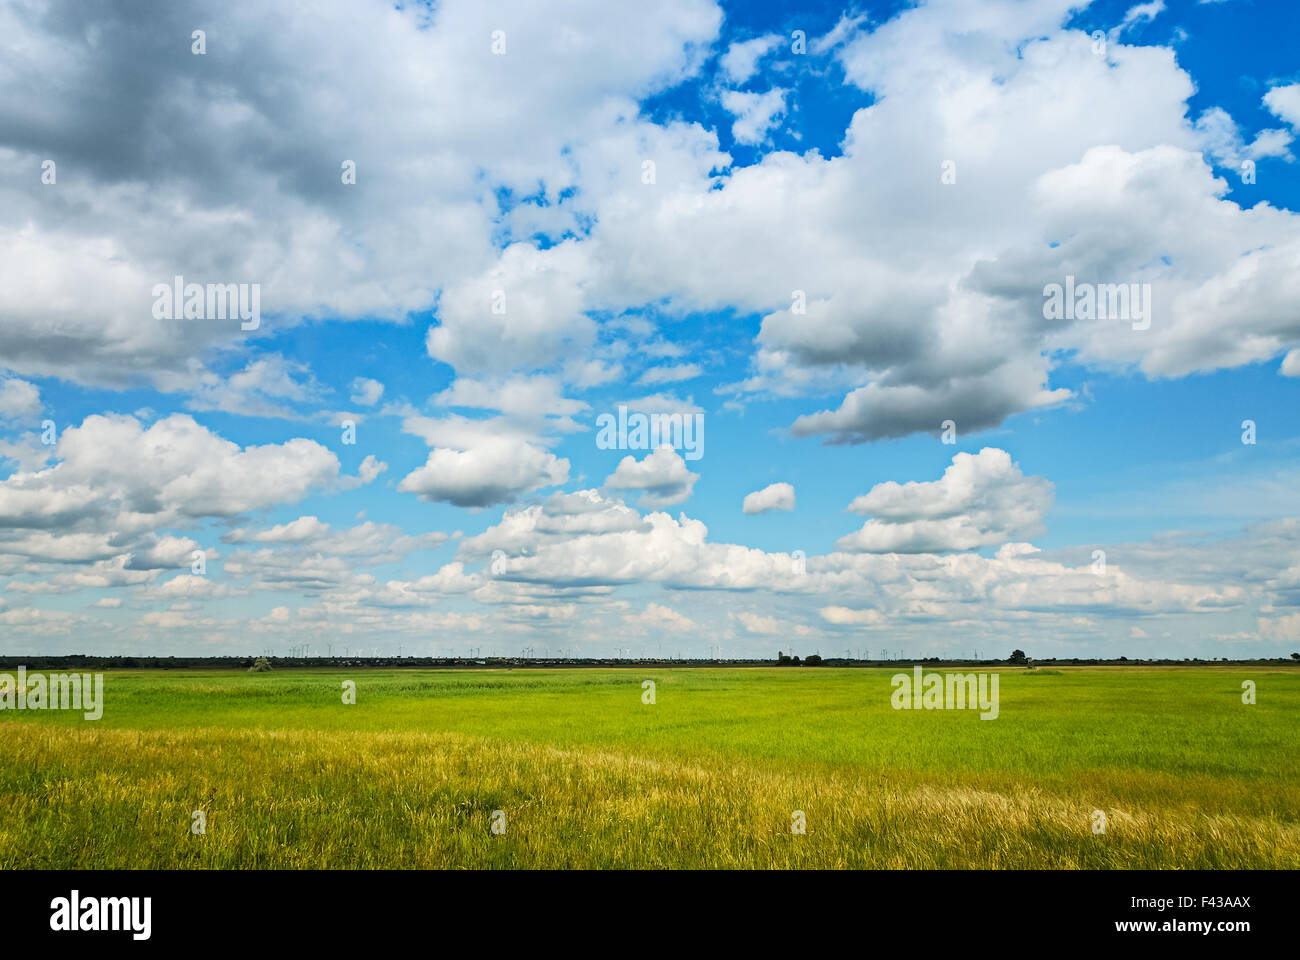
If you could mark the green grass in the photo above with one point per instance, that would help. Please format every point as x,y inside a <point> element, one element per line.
<point>708,776</point>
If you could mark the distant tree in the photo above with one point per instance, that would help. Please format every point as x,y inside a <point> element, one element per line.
<point>812,660</point>
<point>1017,657</point>
<point>260,665</point>
<point>1295,656</point>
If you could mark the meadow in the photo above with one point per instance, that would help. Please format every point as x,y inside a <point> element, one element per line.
<point>587,775</point>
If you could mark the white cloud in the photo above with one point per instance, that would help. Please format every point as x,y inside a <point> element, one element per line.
<point>491,472</point>
<point>366,391</point>
<point>19,400</point>
<point>1221,140</point>
<point>740,62</point>
<point>775,496</point>
<point>661,475</point>
<point>1291,363</point>
<point>671,374</point>
<point>296,531</point>
<point>1141,13</point>
<point>478,463</point>
<point>1284,102</point>
<point>925,298</point>
<point>923,303</point>
<point>375,542</point>
<point>424,124</point>
<point>770,626</point>
<point>260,389</point>
<point>528,311</point>
<point>116,484</point>
<point>755,113</point>
<point>522,397</point>
<point>981,500</point>
<point>904,588</point>
<point>844,616</point>
<point>663,403</point>
<point>661,617</point>
<point>192,472</point>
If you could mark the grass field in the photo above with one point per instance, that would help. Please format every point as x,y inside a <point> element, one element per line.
<point>709,775</point>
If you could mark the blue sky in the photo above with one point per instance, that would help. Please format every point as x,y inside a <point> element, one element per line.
<point>796,156</point>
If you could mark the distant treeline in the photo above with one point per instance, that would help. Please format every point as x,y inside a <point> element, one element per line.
<point>81,661</point>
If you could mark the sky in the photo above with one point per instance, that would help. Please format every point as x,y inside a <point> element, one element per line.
<point>470,236</point>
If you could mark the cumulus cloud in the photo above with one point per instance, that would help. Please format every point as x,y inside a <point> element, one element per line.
<point>532,397</point>
<point>740,62</point>
<point>376,542</point>
<point>890,589</point>
<point>422,123</point>
<point>174,468</point>
<point>1284,102</point>
<point>490,472</point>
<point>527,311</point>
<point>1141,13</point>
<point>926,297</point>
<point>775,496</point>
<point>662,477</point>
<point>260,389</point>
<point>845,616</point>
<point>19,400</point>
<point>755,113</point>
<point>982,500</point>
<point>769,626</point>
<point>478,463</point>
<point>658,616</point>
<point>117,483</point>
<point>1291,364</point>
<point>671,374</point>
<point>561,517</point>
<point>509,212</point>
<point>366,392</point>
<point>1221,140</point>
